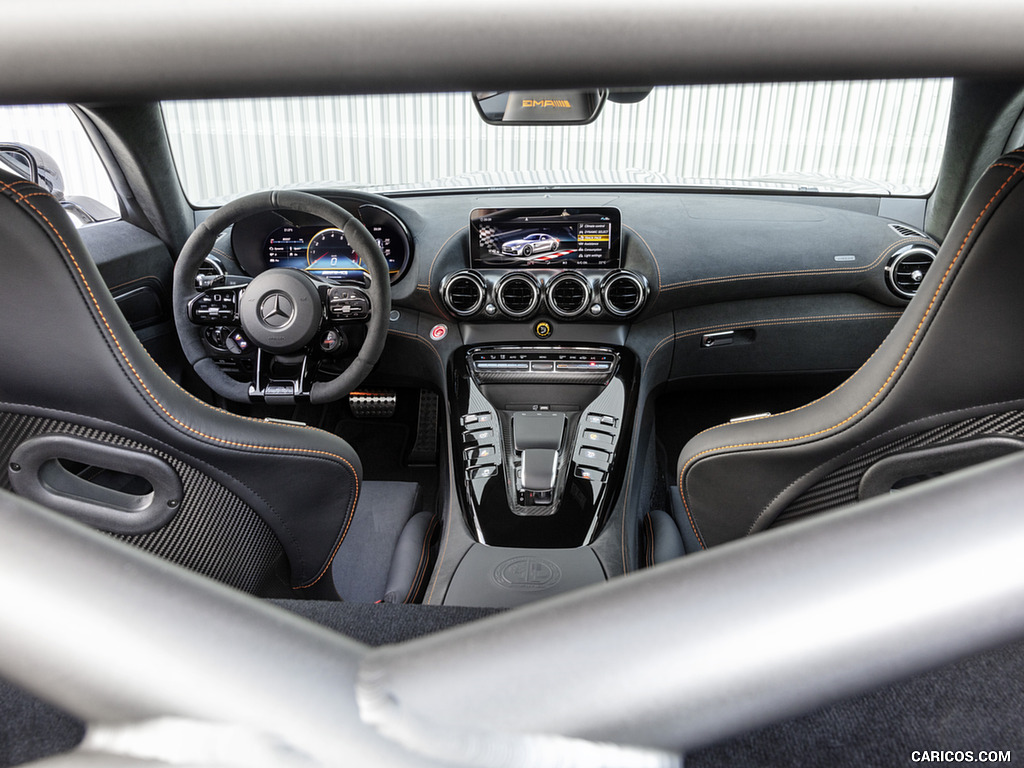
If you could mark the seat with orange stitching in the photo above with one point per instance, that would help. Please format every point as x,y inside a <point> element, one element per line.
<point>262,506</point>
<point>943,391</point>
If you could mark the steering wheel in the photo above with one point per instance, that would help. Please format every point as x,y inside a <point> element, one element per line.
<point>295,320</point>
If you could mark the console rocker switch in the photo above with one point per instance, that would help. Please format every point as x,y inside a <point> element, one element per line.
<point>593,457</point>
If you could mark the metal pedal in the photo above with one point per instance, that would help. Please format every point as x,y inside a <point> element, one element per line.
<point>373,403</point>
<point>424,450</point>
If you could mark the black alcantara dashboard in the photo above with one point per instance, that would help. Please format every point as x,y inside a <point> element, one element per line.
<point>548,319</point>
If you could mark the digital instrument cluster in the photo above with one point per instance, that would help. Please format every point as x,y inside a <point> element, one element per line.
<point>325,252</point>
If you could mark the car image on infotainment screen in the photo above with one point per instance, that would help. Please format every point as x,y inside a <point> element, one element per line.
<point>545,238</point>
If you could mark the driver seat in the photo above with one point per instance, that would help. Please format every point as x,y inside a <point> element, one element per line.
<point>92,427</point>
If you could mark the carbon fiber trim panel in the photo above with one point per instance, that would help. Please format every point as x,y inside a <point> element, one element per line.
<point>841,486</point>
<point>214,532</point>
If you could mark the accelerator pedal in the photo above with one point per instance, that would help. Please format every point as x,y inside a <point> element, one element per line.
<point>424,450</point>
<point>373,403</point>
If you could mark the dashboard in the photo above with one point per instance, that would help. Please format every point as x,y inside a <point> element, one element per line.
<point>694,283</point>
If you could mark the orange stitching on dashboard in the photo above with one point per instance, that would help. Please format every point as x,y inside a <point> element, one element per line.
<point>430,273</point>
<point>650,251</point>
<point>797,272</point>
<point>885,385</point>
<point>159,405</point>
<point>420,339</point>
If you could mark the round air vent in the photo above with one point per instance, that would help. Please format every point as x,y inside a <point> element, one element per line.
<point>568,294</point>
<point>463,293</point>
<point>624,293</point>
<point>907,268</point>
<point>517,294</point>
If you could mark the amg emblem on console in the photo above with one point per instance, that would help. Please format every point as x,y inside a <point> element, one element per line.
<point>527,573</point>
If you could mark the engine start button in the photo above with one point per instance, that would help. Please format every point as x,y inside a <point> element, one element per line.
<point>542,329</point>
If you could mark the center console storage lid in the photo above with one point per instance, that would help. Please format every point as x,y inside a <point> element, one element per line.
<point>504,577</point>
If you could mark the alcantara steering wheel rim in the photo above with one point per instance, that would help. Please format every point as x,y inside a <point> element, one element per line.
<point>202,241</point>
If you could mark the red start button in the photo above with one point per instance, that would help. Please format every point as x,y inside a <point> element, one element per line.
<point>439,331</point>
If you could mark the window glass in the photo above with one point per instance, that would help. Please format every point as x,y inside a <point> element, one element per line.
<point>881,137</point>
<point>54,129</point>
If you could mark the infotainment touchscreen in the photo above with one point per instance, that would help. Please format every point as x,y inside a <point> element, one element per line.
<point>545,238</point>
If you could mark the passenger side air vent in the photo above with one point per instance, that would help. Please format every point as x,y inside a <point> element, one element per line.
<point>907,268</point>
<point>904,231</point>
<point>568,294</point>
<point>209,270</point>
<point>463,293</point>
<point>517,294</point>
<point>624,293</point>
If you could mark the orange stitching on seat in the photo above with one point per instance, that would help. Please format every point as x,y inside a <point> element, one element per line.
<point>168,414</point>
<point>797,272</point>
<point>444,549</point>
<point>420,574</point>
<point>885,385</point>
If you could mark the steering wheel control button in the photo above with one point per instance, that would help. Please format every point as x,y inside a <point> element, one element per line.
<point>281,311</point>
<point>347,303</point>
<point>439,331</point>
<point>236,343</point>
<point>543,329</point>
<point>214,307</point>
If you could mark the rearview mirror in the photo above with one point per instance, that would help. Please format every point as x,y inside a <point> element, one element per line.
<point>32,164</point>
<point>539,107</point>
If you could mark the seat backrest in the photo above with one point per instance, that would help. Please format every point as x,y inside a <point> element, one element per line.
<point>252,492</point>
<point>951,370</point>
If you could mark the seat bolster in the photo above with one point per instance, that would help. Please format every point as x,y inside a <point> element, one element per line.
<point>302,481</point>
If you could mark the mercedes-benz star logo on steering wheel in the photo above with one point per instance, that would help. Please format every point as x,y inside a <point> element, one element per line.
<point>276,310</point>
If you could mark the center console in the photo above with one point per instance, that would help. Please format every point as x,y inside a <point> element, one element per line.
<point>538,431</point>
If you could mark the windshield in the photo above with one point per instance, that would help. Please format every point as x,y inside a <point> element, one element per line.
<point>856,137</point>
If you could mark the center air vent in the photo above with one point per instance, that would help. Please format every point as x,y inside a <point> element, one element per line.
<point>517,294</point>
<point>568,294</point>
<point>907,268</point>
<point>463,293</point>
<point>624,293</point>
